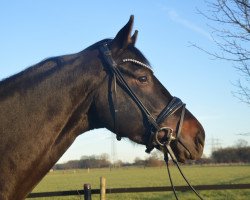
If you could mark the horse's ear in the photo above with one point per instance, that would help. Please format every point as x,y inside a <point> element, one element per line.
<point>134,37</point>
<point>123,37</point>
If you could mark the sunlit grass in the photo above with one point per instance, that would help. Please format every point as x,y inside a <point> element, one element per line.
<point>140,177</point>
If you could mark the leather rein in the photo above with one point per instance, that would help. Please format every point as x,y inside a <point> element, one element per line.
<point>152,140</point>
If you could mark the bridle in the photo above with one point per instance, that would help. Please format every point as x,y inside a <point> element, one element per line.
<point>153,123</point>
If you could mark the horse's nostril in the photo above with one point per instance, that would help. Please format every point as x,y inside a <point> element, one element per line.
<point>200,138</point>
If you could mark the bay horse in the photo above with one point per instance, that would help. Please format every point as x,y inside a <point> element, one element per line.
<point>109,84</point>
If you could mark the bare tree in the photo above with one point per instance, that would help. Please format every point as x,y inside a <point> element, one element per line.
<point>230,25</point>
<point>241,143</point>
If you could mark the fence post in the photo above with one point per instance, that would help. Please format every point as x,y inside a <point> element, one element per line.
<point>102,188</point>
<point>87,191</point>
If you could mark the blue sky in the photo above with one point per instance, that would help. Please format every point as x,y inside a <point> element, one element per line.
<point>32,31</point>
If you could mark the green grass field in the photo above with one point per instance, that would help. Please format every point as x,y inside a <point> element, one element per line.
<point>140,177</point>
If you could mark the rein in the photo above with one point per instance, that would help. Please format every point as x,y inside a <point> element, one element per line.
<point>154,124</point>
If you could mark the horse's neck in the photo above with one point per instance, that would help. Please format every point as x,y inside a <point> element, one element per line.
<point>44,99</point>
<point>38,123</point>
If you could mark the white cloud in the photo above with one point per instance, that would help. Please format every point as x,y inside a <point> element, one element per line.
<point>177,18</point>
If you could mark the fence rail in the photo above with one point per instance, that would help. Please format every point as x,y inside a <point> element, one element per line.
<point>142,189</point>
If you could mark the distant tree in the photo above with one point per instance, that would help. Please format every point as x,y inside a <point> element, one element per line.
<point>84,157</point>
<point>241,143</point>
<point>118,163</point>
<point>230,24</point>
<point>155,160</point>
<point>93,161</point>
<point>72,164</point>
<point>232,155</point>
<point>104,157</point>
<point>139,162</point>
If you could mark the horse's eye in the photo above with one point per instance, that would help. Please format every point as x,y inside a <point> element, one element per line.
<point>143,79</point>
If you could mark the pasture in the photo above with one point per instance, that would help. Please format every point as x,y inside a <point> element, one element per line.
<point>140,177</point>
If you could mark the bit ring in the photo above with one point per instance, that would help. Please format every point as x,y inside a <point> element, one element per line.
<point>170,136</point>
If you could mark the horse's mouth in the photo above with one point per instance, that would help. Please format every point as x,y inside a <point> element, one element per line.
<point>186,152</point>
<point>183,150</point>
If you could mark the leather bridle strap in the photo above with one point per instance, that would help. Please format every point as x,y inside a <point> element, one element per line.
<point>171,108</point>
<point>167,150</point>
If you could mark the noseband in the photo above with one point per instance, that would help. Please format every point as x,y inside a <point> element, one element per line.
<point>154,124</point>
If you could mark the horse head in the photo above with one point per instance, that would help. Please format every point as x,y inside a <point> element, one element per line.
<point>126,113</point>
